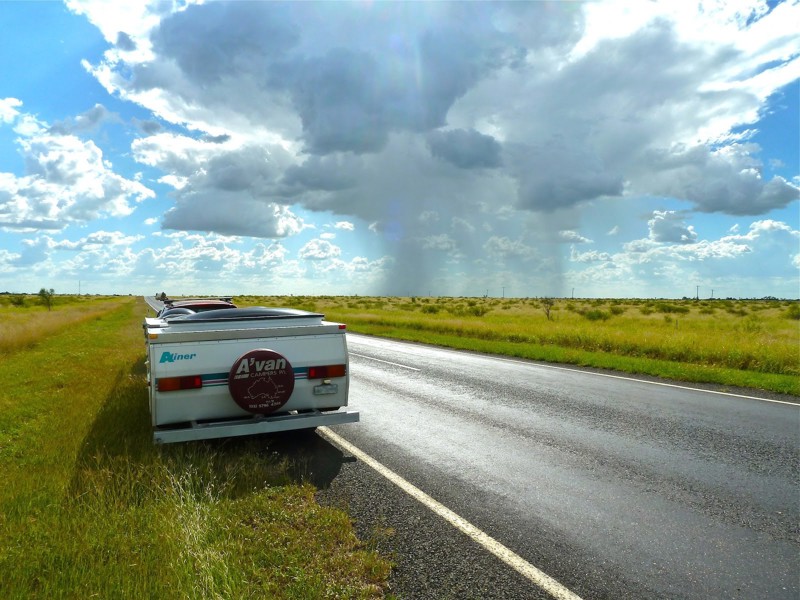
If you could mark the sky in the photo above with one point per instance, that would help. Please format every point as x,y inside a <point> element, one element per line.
<point>526,149</point>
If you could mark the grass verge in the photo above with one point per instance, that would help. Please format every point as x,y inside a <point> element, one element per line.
<point>783,384</point>
<point>737,343</point>
<point>89,507</point>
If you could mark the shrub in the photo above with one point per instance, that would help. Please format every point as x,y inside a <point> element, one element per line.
<point>596,315</point>
<point>794,311</point>
<point>430,309</point>
<point>18,300</point>
<point>666,307</point>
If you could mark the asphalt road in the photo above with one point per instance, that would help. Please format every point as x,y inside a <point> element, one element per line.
<point>615,487</point>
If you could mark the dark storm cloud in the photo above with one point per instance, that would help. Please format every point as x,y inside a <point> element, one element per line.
<point>230,213</point>
<point>248,168</point>
<point>220,40</point>
<point>333,173</point>
<point>349,94</point>
<point>557,174</point>
<point>466,149</point>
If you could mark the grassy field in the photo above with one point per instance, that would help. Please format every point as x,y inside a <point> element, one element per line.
<point>739,343</point>
<point>89,507</point>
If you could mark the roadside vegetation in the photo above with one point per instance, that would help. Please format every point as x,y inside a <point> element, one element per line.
<point>26,319</point>
<point>89,507</point>
<point>742,343</point>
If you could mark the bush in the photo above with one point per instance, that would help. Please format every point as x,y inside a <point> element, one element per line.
<point>596,315</point>
<point>18,301</point>
<point>666,307</point>
<point>794,311</point>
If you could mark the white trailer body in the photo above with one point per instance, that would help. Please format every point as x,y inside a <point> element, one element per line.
<point>245,370</point>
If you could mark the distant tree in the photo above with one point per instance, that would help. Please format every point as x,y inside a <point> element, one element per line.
<point>547,305</point>
<point>46,297</point>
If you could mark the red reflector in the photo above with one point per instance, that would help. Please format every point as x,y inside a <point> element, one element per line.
<point>327,371</point>
<point>173,384</point>
<point>342,326</point>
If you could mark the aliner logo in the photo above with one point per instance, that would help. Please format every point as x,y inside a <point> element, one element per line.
<point>172,357</point>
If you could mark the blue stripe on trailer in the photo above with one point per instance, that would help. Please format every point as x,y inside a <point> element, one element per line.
<point>214,379</point>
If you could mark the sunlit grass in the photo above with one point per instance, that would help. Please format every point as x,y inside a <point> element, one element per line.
<point>24,320</point>
<point>89,507</point>
<point>737,343</point>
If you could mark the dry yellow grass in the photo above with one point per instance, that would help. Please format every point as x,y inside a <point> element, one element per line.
<point>23,326</point>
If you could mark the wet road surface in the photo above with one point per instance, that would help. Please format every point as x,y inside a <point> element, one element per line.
<point>617,488</point>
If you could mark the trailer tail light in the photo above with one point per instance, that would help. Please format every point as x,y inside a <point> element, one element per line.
<point>327,372</point>
<point>173,384</point>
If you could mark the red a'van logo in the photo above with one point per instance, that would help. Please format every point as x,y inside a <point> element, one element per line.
<point>261,381</point>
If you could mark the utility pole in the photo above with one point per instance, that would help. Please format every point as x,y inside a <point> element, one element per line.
<point>504,291</point>
<point>698,292</point>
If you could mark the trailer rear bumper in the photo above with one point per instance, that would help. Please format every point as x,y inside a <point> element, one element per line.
<point>252,425</point>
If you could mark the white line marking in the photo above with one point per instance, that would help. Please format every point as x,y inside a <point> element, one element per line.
<point>537,364</point>
<point>384,361</point>
<point>514,560</point>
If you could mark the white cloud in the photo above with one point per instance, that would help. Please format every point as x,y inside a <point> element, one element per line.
<point>8,109</point>
<point>589,256</point>
<point>502,247</point>
<point>67,180</point>
<point>344,225</point>
<point>319,250</point>
<point>439,242</point>
<point>568,235</point>
<point>669,227</point>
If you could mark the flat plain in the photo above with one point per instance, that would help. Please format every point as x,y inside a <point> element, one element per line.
<point>734,343</point>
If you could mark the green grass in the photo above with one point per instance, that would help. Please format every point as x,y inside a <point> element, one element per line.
<point>89,507</point>
<point>753,344</point>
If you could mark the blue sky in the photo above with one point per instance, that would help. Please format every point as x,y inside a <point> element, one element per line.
<point>609,149</point>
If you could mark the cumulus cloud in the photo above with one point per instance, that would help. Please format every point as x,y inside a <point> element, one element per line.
<point>747,264</point>
<point>727,180</point>
<point>502,247</point>
<point>8,109</point>
<point>670,227</point>
<point>568,235</point>
<point>439,242</point>
<point>66,180</point>
<point>319,250</point>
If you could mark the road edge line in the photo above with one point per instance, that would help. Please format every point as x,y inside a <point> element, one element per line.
<point>508,556</point>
